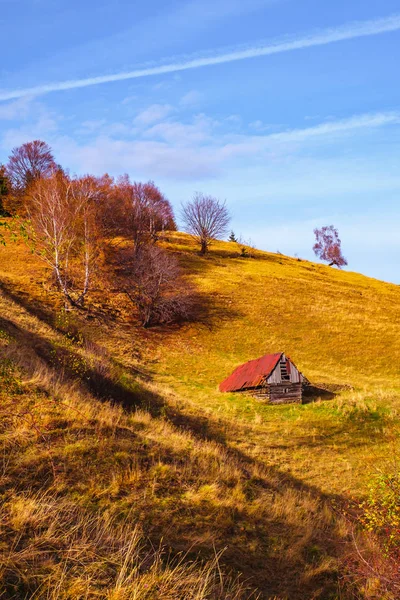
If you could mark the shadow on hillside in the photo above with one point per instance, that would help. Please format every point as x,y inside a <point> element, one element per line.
<point>209,310</point>
<point>47,314</point>
<point>33,307</point>
<point>249,537</point>
<point>213,309</point>
<point>312,393</point>
<point>71,366</point>
<point>194,263</point>
<point>197,264</point>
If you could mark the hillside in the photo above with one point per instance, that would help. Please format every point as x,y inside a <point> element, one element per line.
<point>109,429</point>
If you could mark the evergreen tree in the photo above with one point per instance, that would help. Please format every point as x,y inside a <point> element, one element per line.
<point>4,190</point>
<point>232,237</point>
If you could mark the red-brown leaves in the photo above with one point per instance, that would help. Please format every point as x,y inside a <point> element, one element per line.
<point>328,246</point>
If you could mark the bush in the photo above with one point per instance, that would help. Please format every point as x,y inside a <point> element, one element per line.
<point>373,565</point>
<point>153,282</point>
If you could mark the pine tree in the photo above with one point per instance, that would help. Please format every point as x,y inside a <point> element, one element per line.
<point>232,237</point>
<point>4,190</point>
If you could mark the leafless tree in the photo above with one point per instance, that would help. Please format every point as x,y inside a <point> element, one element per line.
<point>62,214</point>
<point>29,162</point>
<point>328,246</point>
<point>153,282</point>
<point>205,218</point>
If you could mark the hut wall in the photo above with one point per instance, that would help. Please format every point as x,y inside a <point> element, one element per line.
<point>285,393</point>
<point>294,375</point>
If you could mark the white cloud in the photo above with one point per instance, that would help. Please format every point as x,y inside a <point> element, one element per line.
<point>94,125</point>
<point>129,99</point>
<point>183,134</point>
<point>319,38</point>
<point>192,98</point>
<point>140,158</point>
<point>103,127</point>
<point>235,119</point>
<point>365,121</point>
<point>153,114</point>
<point>260,126</point>
<point>44,125</point>
<point>16,110</point>
<point>241,145</point>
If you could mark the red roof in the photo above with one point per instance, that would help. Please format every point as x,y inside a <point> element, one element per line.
<point>251,374</point>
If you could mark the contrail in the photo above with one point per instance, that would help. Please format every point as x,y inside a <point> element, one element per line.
<point>320,38</point>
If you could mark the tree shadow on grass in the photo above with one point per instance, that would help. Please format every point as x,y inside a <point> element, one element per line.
<point>72,367</point>
<point>196,525</point>
<point>208,309</point>
<point>251,538</point>
<point>32,306</point>
<point>312,393</point>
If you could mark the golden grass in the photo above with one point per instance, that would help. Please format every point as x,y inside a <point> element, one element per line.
<point>77,554</point>
<point>339,328</point>
<point>173,458</point>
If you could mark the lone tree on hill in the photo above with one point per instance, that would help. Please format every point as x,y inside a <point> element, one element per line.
<point>328,246</point>
<point>232,237</point>
<point>28,163</point>
<point>4,191</point>
<point>205,218</point>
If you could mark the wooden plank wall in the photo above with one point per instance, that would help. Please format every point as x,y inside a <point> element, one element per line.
<point>285,393</point>
<point>275,377</point>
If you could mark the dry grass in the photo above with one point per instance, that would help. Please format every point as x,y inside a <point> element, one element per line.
<point>77,554</point>
<point>170,457</point>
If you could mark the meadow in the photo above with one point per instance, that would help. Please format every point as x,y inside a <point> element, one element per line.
<point>127,474</point>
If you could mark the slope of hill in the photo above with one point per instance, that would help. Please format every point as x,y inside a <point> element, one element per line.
<point>116,439</point>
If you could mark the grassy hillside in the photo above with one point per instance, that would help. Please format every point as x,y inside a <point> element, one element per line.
<point>339,328</point>
<point>116,440</point>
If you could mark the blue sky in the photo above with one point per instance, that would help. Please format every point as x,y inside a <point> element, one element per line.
<point>288,109</point>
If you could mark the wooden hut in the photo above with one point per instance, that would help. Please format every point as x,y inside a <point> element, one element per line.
<point>272,378</point>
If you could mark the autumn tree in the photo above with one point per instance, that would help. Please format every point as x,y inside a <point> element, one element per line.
<point>160,216</point>
<point>205,218</point>
<point>28,163</point>
<point>63,217</point>
<point>328,246</point>
<point>138,212</point>
<point>152,280</point>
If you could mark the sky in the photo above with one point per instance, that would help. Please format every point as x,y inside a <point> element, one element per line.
<point>287,109</point>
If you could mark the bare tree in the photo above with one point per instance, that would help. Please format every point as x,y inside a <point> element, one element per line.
<point>153,282</point>
<point>62,214</point>
<point>29,162</point>
<point>205,218</point>
<point>328,246</point>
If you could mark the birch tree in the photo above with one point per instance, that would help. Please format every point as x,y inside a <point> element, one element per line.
<point>64,230</point>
